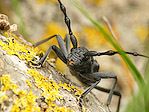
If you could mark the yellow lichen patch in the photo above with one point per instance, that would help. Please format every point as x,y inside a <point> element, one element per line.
<point>6,34</point>
<point>71,88</point>
<point>24,101</point>
<point>16,37</point>
<point>78,92</point>
<point>49,87</point>
<point>59,109</point>
<point>6,85</point>
<point>21,100</point>
<point>28,83</point>
<point>50,91</point>
<point>3,97</point>
<point>13,47</point>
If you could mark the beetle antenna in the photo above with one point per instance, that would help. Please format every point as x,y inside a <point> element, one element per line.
<point>110,53</point>
<point>67,21</point>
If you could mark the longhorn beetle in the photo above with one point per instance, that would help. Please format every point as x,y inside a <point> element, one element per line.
<point>81,63</point>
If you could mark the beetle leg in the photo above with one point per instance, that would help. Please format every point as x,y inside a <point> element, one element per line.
<point>117,93</point>
<point>97,76</point>
<point>60,42</point>
<point>67,41</point>
<point>58,52</point>
<point>42,41</point>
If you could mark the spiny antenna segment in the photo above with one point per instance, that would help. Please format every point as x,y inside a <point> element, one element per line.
<point>67,21</point>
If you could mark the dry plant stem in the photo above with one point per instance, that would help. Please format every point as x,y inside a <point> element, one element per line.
<point>110,29</point>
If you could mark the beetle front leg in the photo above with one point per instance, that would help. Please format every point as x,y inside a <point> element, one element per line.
<point>58,52</point>
<point>60,41</point>
<point>67,42</point>
<point>43,41</point>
